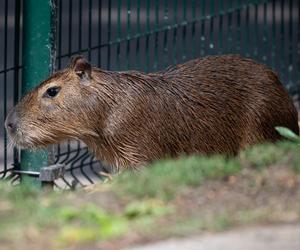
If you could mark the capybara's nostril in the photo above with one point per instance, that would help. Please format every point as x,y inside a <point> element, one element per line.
<point>11,122</point>
<point>10,125</point>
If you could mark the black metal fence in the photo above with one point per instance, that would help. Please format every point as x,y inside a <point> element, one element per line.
<point>150,35</point>
<point>10,72</point>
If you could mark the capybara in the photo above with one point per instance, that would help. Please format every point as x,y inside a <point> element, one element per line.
<point>216,104</point>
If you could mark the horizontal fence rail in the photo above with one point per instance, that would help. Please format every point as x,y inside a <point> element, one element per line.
<point>149,36</point>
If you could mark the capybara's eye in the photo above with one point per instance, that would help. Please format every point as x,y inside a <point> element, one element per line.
<point>52,92</point>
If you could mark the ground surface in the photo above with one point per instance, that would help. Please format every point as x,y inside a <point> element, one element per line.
<point>259,238</point>
<point>191,197</point>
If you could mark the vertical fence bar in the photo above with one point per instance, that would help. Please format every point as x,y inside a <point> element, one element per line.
<point>256,33</point>
<point>184,49</point>
<point>108,35</point>
<point>273,50</point>
<point>119,32</point>
<point>282,40</point>
<point>38,53</point>
<point>220,27</point>
<point>265,34</point>
<point>247,42</point>
<point>128,28</point>
<point>80,27</point>
<point>59,47</point>
<point>147,36</point>
<point>202,36</point>
<point>290,44</point>
<point>229,27</point>
<point>90,30</point>
<point>156,26</point>
<point>193,28</point>
<point>174,41</point>
<point>211,26</point>
<point>138,30</point>
<point>99,32</point>
<point>5,80</point>
<point>16,65</point>
<point>165,41</point>
<point>52,62</point>
<point>238,27</point>
<point>70,28</point>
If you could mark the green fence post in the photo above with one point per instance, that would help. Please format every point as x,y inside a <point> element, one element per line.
<point>38,62</point>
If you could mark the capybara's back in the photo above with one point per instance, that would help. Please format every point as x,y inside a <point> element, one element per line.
<point>218,104</point>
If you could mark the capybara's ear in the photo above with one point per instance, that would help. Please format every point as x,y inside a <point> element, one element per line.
<point>81,67</point>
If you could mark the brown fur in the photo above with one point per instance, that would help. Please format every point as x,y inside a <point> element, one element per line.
<point>218,104</point>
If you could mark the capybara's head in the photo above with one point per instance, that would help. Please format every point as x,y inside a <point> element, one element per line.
<point>55,110</point>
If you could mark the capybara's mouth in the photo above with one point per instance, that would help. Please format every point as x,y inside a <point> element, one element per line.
<point>22,140</point>
<point>18,140</point>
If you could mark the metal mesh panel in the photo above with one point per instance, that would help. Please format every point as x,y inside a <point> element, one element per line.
<point>150,35</point>
<point>10,71</point>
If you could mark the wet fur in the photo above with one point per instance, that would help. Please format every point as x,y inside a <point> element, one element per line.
<point>218,104</point>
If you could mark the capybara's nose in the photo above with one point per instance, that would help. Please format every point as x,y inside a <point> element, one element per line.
<point>11,122</point>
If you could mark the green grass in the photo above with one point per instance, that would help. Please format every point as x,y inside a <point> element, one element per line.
<point>145,196</point>
<point>23,207</point>
<point>89,223</point>
<point>166,178</point>
<point>264,155</point>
